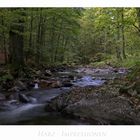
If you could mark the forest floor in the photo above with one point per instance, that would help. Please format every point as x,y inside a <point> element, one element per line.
<point>89,94</point>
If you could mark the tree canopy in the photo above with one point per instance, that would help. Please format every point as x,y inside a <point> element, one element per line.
<point>52,36</point>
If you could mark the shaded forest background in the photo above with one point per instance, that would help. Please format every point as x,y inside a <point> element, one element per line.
<point>36,37</point>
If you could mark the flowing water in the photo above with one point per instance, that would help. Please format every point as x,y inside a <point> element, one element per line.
<point>88,81</point>
<point>34,113</point>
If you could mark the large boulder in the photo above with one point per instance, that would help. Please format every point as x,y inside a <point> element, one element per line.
<point>111,110</point>
<point>71,97</point>
<point>102,105</point>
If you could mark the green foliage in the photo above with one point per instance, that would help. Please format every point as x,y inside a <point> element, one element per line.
<point>135,72</point>
<point>6,77</point>
<point>73,35</point>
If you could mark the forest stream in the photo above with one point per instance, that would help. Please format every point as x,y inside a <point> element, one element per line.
<point>70,66</point>
<point>34,112</point>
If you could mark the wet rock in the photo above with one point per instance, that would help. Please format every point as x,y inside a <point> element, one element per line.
<point>50,84</point>
<point>115,70</point>
<point>44,83</point>
<point>56,84</point>
<point>38,72</point>
<point>71,77</point>
<point>56,105</point>
<point>48,73</point>
<point>67,84</point>
<point>23,98</point>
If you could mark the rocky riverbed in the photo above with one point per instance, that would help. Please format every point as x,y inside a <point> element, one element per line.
<point>75,96</point>
<point>104,105</point>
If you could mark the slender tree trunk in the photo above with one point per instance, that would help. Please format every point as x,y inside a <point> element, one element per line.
<point>30,37</point>
<point>105,41</point>
<point>123,35</point>
<point>64,46</point>
<point>52,40</point>
<point>39,38</point>
<point>16,45</point>
<point>5,49</point>
<point>118,51</point>
<point>138,16</point>
<point>42,37</point>
<point>56,48</point>
<point>58,41</point>
<point>4,42</point>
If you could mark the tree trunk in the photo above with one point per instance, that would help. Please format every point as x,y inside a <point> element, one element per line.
<point>138,16</point>
<point>123,36</point>
<point>63,46</point>
<point>30,37</point>
<point>52,40</point>
<point>5,49</point>
<point>40,38</point>
<point>4,42</point>
<point>118,51</point>
<point>16,45</point>
<point>58,41</point>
